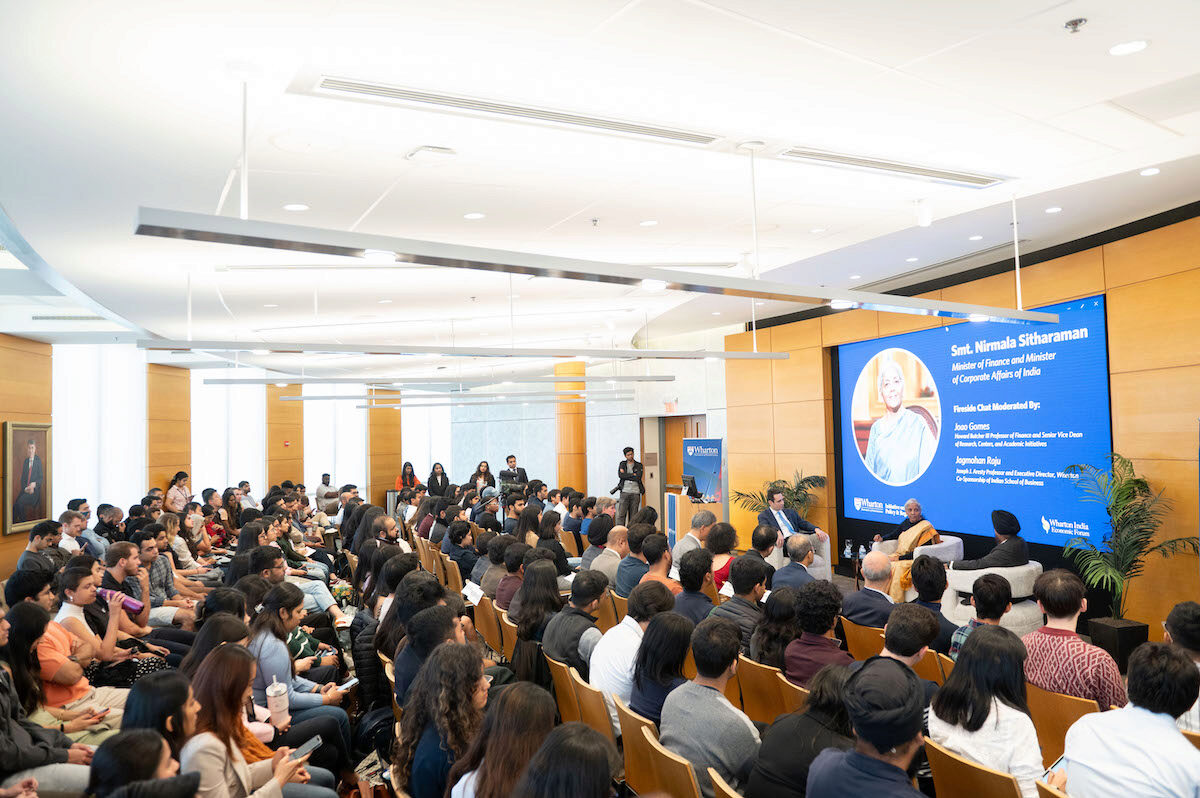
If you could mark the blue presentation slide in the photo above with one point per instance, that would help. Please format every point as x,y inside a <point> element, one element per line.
<point>977,416</point>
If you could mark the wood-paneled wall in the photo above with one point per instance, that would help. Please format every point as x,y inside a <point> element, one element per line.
<point>168,424</point>
<point>24,396</point>
<point>571,437</point>
<point>383,449</point>
<point>781,412</point>
<point>285,436</point>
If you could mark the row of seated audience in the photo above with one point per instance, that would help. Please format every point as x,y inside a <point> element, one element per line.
<point>215,607</point>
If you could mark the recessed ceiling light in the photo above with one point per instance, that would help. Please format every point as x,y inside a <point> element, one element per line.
<point>385,301</point>
<point>841,304</point>
<point>1129,48</point>
<point>816,230</point>
<point>975,238</point>
<point>648,223</point>
<point>856,277</point>
<point>1151,172</point>
<point>281,385</point>
<point>716,313</point>
<point>295,206</point>
<point>474,215</point>
<point>654,285</point>
<point>977,317</point>
<point>1054,209</point>
<point>910,260</point>
<point>270,305</point>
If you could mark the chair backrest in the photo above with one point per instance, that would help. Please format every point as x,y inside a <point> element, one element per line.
<point>621,605</point>
<point>947,665</point>
<point>443,561</point>
<point>353,561</point>
<point>794,696</point>
<point>389,671</point>
<point>1053,714</point>
<point>762,698</point>
<point>709,588</point>
<point>454,580</point>
<point>564,691</point>
<point>673,774</point>
<point>927,667</point>
<point>567,539</point>
<point>721,788</point>
<point>593,710</point>
<point>488,625</point>
<point>606,614</point>
<point>863,642</point>
<point>639,772</point>
<point>508,636</point>
<point>956,777</point>
<point>1046,791</point>
<point>1193,738</point>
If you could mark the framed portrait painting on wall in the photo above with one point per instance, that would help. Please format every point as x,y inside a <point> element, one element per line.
<point>26,475</point>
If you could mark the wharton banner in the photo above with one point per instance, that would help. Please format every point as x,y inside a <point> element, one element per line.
<point>702,459</point>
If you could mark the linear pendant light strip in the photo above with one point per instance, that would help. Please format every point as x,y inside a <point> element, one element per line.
<point>291,348</point>
<point>458,395</point>
<point>399,405</point>
<point>273,235</point>
<point>447,381</point>
<point>501,398</point>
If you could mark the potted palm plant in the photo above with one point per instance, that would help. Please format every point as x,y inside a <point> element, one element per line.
<point>1135,513</point>
<point>797,493</point>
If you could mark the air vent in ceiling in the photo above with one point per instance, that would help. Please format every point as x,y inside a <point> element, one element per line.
<point>68,318</point>
<point>895,168</point>
<point>360,89</point>
<point>943,268</point>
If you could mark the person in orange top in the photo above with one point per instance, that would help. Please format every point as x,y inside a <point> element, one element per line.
<point>407,478</point>
<point>658,557</point>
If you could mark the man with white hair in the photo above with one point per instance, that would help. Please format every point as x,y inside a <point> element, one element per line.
<point>901,444</point>
<point>872,605</point>
<point>912,517</point>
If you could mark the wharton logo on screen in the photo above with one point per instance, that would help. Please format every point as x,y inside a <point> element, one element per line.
<point>1053,526</point>
<point>703,451</point>
<point>867,506</point>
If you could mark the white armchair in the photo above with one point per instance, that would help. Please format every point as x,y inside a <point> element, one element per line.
<point>950,549</point>
<point>821,567</point>
<point>1023,618</point>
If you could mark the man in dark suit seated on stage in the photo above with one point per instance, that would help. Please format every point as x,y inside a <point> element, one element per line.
<point>788,522</point>
<point>1010,549</point>
<point>872,605</point>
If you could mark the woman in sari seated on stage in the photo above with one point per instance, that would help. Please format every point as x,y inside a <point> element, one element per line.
<point>912,532</point>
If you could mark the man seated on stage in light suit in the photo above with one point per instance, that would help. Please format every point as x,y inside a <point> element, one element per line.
<point>912,517</point>
<point>789,522</point>
<point>1009,551</point>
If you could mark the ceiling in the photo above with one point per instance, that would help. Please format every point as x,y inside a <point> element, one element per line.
<point>140,104</point>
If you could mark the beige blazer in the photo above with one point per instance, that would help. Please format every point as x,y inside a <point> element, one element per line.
<point>225,776</point>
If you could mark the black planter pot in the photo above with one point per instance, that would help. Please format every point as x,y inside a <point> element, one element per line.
<point>1118,636</point>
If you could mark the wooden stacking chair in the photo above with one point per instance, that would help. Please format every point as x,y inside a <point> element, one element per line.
<point>454,580</point>
<point>1193,738</point>
<point>567,539</point>
<point>673,774</point>
<point>508,636</point>
<point>1046,791</point>
<point>564,690</point>
<point>639,771</point>
<point>927,668</point>
<point>762,697</point>
<point>593,709</point>
<point>443,561</point>
<point>606,613</point>
<point>956,777</point>
<point>947,665</point>
<point>1053,714</point>
<point>709,588</point>
<point>621,605</point>
<point>863,642</point>
<point>794,696</point>
<point>488,625</point>
<point>721,788</point>
<point>389,670</point>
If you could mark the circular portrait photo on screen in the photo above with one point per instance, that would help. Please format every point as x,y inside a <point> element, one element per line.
<point>897,416</point>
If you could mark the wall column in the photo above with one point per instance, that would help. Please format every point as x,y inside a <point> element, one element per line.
<point>24,396</point>
<point>572,430</point>
<point>383,447</point>
<point>285,436</point>
<point>168,424</point>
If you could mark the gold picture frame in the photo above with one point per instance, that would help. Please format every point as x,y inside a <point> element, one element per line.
<point>20,514</point>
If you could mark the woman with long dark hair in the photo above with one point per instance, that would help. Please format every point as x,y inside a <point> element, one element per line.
<point>282,613</point>
<point>366,561</point>
<point>178,493</point>
<point>424,510</point>
<point>549,529</point>
<point>539,600</point>
<point>793,741</point>
<point>981,712</point>
<point>517,722</point>
<point>363,533</point>
<point>222,685</point>
<point>438,482</point>
<point>165,703</point>
<point>483,477</point>
<point>597,538</point>
<point>575,760</point>
<point>443,712</point>
<point>658,666</point>
<point>219,628</point>
<point>646,515</point>
<point>408,477</point>
<point>230,512</point>
<point>252,535</point>
<point>777,628</point>
<point>527,526</point>
<point>140,754</point>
